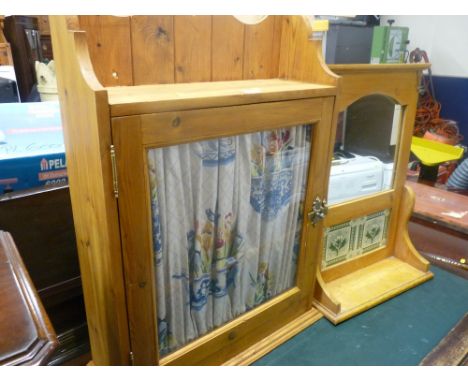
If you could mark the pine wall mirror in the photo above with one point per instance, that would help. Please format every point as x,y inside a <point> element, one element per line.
<point>367,256</point>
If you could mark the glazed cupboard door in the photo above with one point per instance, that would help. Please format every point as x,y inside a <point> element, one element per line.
<point>218,252</point>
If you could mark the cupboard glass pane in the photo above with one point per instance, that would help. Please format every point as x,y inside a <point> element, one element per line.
<point>365,147</point>
<point>227,220</point>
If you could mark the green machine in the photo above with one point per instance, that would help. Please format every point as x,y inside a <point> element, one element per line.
<point>389,44</point>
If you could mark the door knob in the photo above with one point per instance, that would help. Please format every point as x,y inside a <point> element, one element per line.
<point>319,210</point>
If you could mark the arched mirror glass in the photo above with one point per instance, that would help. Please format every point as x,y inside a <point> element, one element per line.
<point>365,148</point>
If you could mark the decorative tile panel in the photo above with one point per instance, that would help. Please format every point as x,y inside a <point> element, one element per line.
<point>355,237</point>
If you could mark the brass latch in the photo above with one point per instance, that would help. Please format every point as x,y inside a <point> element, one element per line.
<point>319,211</point>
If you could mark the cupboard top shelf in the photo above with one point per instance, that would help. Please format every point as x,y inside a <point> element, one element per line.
<point>143,99</point>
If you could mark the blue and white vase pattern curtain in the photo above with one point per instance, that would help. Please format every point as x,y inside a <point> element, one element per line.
<point>227,219</point>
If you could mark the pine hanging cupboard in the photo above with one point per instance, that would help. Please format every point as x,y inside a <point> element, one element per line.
<point>214,86</point>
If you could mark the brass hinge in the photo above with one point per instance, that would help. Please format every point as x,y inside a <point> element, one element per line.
<point>115,180</point>
<point>132,358</point>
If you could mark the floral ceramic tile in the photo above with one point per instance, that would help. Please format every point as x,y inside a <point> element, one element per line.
<point>374,231</point>
<point>338,243</point>
<point>354,238</point>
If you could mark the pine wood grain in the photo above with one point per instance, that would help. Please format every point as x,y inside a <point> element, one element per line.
<point>5,54</point>
<point>172,128</point>
<point>147,99</point>
<point>258,50</point>
<point>109,47</point>
<point>340,213</point>
<point>3,39</point>
<point>354,264</point>
<point>202,48</point>
<point>404,195</point>
<point>370,286</point>
<point>323,299</point>
<point>399,85</point>
<point>192,48</point>
<point>301,56</point>
<point>153,49</point>
<point>136,232</point>
<point>240,334</point>
<point>275,339</point>
<point>346,69</point>
<point>228,49</point>
<point>316,186</point>
<point>404,248</point>
<point>85,115</point>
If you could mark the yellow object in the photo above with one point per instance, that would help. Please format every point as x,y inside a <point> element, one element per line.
<point>463,261</point>
<point>320,25</point>
<point>431,153</point>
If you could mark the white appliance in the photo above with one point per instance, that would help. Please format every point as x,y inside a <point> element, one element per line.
<point>387,176</point>
<point>358,176</point>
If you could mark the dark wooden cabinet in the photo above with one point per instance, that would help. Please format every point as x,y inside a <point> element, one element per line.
<point>46,48</point>
<point>26,334</point>
<point>41,222</point>
<point>46,42</point>
<point>22,32</point>
<point>439,227</point>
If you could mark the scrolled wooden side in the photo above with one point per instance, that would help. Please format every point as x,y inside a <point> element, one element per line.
<point>324,301</point>
<point>404,248</point>
<point>300,55</point>
<point>86,123</point>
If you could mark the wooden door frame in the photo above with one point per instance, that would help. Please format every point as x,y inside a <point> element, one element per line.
<point>132,136</point>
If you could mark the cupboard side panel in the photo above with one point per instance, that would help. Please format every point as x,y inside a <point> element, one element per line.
<point>87,136</point>
<point>301,55</point>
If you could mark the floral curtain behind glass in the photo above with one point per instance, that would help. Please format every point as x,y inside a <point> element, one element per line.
<point>226,227</point>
